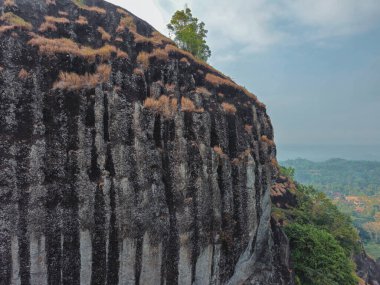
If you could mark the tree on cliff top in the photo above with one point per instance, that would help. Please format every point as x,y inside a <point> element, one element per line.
<point>189,33</point>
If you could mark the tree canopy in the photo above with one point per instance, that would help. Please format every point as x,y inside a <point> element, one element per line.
<point>189,33</point>
<point>318,258</point>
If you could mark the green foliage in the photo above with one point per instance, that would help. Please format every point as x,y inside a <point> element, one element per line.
<point>287,171</point>
<point>322,239</point>
<point>318,257</point>
<point>15,20</point>
<point>317,209</point>
<point>79,2</point>
<point>189,33</point>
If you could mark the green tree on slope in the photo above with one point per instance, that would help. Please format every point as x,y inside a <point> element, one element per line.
<point>318,258</point>
<point>189,33</point>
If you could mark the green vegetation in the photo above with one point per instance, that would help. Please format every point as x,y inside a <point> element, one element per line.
<point>81,4</point>
<point>287,171</point>
<point>354,187</point>
<point>189,34</point>
<point>322,238</point>
<point>15,20</point>
<point>318,257</point>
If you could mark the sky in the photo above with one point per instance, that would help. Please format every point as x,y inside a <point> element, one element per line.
<point>315,64</point>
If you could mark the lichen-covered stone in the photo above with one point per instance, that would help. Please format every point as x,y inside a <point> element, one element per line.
<point>96,188</point>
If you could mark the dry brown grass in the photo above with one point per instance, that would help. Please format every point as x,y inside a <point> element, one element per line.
<point>105,36</point>
<point>122,11</point>
<point>275,163</point>
<point>188,106</point>
<point>89,8</point>
<point>156,38</point>
<point>9,3</point>
<point>46,26</point>
<point>81,20</point>
<point>160,38</point>
<point>94,9</point>
<point>229,108</point>
<point>203,90</point>
<point>139,38</point>
<point>242,157</point>
<point>218,81</point>
<point>126,21</point>
<point>73,81</point>
<point>23,74</point>
<point>163,105</point>
<point>184,60</point>
<point>104,52</point>
<point>143,58</point>
<point>62,13</point>
<point>172,48</point>
<point>267,140</point>
<point>121,54</point>
<point>51,19</point>
<point>159,54</point>
<point>50,23</point>
<point>16,21</point>
<point>64,45</point>
<point>167,107</point>
<point>248,128</point>
<point>3,29</point>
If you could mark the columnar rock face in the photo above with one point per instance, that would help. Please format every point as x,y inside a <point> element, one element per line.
<point>124,160</point>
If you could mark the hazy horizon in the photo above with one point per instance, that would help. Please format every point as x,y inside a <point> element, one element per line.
<point>318,153</point>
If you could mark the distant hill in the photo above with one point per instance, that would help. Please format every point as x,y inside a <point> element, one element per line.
<point>338,175</point>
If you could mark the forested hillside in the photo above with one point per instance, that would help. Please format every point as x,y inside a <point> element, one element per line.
<point>338,175</point>
<point>354,187</point>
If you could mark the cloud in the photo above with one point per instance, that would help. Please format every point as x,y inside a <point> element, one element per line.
<point>252,26</point>
<point>331,18</point>
<point>240,27</point>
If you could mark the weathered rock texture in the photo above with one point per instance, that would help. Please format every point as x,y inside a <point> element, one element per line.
<point>97,187</point>
<point>367,268</point>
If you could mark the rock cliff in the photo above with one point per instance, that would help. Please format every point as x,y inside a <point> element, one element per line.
<point>125,160</point>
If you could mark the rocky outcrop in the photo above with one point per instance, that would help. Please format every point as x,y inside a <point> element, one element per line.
<point>124,160</point>
<point>367,268</point>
